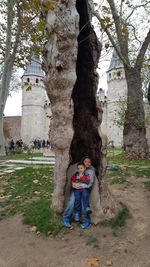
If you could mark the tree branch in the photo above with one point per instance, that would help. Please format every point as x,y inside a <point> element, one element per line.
<point>122,37</point>
<point>96,14</point>
<point>140,57</point>
<point>143,5</point>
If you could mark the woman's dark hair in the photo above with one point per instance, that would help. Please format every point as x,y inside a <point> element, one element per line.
<point>86,157</point>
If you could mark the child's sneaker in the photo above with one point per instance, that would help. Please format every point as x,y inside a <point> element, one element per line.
<point>88,210</point>
<point>85,225</point>
<point>76,217</point>
<point>66,223</point>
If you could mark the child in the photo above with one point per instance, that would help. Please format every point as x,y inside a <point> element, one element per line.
<point>81,195</point>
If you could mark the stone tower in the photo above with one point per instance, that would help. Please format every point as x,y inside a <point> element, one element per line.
<point>116,99</point>
<point>35,115</point>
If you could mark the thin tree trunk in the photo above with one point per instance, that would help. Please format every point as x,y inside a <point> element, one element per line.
<point>2,146</point>
<point>4,90</point>
<point>134,128</point>
<point>7,69</point>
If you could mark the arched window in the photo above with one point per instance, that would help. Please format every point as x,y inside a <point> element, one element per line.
<point>28,80</point>
<point>37,80</point>
<point>118,73</point>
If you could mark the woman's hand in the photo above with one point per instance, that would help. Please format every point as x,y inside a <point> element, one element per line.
<point>77,185</point>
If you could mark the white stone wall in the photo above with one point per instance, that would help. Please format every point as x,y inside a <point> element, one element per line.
<point>114,132</point>
<point>48,116</point>
<point>33,113</point>
<point>116,99</point>
<point>104,119</point>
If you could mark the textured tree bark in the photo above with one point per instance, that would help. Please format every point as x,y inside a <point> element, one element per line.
<point>60,65</point>
<point>2,147</point>
<point>135,142</point>
<point>71,58</point>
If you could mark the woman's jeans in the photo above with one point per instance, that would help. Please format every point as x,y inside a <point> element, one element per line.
<point>70,210</point>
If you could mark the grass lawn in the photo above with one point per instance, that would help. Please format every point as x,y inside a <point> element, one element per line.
<point>29,191</point>
<point>127,168</point>
<point>20,156</point>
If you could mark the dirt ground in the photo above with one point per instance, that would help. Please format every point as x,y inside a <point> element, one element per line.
<point>129,247</point>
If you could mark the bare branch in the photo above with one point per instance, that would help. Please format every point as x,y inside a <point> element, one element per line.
<point>122,37</point>
<point>96,14</point>
<point>134,32</point>
<point>135,8</point>
<point>140,57</point>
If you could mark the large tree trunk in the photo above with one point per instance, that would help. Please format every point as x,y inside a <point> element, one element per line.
<point>60,66</point>
<point>71,73</point>
<point>135,142</point>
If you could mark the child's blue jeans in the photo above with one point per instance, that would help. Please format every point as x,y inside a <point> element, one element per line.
<point>70,209</point>
<point>81,196</point>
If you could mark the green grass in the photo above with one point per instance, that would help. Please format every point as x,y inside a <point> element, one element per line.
<point>20,156</point>
<point>39,214</point>
<point>126,168</point>
<point>119,180</point>
<point>120,160</point>
<point>119,220</point>
<point>28,191</point>
<point>91,240</point>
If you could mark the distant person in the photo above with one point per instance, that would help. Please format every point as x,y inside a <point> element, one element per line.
<point>43,143</point>
<point>39,144</point>
<point>35,143</point>
<point>12,145</point>
<point>21,143</point>
<point>47,143</point>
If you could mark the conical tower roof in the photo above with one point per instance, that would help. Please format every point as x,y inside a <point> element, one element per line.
<point>34,68</point>
<point>115,62</point>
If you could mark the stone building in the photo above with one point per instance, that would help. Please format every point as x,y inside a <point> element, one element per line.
<point>114,103</point>
<point>36,111</point>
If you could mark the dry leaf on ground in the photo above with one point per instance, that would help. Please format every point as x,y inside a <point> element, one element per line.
<point>93,262</point>
<point>109,263</point>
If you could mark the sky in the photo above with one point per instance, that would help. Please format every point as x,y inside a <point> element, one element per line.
<point>13,104</point>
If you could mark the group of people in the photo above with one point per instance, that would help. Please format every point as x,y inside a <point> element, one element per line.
<point>78,207</point>
<point>37,144</point>
<point>12,144</point>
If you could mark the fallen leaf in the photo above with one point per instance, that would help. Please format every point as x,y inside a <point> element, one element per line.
<point>109,263</point>
<point>2,191</point>
<point>93,262</point>
<point>2,197</point>
<point>33,229</point>
<point>37,193</point>
<point>38,232</point>
<point>35,181</point>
